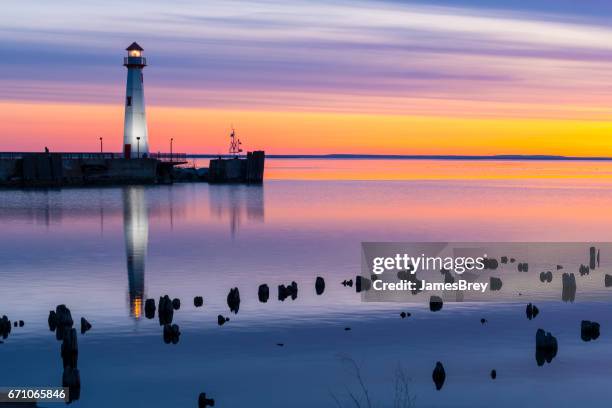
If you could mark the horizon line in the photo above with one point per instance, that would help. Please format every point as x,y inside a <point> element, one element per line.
<point>357,156</point>
<point>348,156</point>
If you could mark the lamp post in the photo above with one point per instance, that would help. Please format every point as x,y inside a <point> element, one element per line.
<point>171,140</point>
<point>101,149</point>
<point>138,147</point>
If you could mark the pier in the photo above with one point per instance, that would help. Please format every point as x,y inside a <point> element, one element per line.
<point>27,169</point>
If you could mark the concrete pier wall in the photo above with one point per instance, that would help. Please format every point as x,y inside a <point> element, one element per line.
<point>226,170</point>
<point>8,170</point>
<point>45,169</point>
<point>49,170</point>
<point>255,166</point>
<point>111,171</point>
<point>66,169</point>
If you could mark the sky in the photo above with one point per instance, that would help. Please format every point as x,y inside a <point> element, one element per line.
<point>313,76</point>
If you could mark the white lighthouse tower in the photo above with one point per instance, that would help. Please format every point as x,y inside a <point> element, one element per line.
<point>135,135</point>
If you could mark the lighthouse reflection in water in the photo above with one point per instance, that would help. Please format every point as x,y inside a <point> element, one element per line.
<point>136,231</point>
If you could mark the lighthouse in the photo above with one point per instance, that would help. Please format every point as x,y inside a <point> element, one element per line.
<point>135,135</point>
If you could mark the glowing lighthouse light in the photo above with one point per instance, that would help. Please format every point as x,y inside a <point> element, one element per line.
<point>135,135</point>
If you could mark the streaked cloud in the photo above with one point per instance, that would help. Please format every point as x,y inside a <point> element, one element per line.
<point>338,56</point>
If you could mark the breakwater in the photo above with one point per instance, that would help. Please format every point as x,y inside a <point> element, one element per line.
<point>57,170</point>
<point>90,169</point>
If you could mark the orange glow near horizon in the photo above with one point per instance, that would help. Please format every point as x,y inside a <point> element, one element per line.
<point>77,127</point>
<point>549,171</point>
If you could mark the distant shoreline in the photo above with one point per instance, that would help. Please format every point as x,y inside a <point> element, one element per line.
<point>513,157</point>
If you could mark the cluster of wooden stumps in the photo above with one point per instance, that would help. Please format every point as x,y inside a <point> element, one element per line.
<point>60,321</point>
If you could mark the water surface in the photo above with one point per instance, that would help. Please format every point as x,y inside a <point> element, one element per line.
<point>103,251</point>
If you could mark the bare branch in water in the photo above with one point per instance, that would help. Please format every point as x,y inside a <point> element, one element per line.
<point>336,400</point>
<point>402,397</point>
<point>362,385</point>
<point>402,390</point>
<point>354,398</point>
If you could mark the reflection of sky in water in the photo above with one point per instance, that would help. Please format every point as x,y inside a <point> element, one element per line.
<point>71,246</point>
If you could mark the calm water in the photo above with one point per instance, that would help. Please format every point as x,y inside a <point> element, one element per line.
<point>103,251</point>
